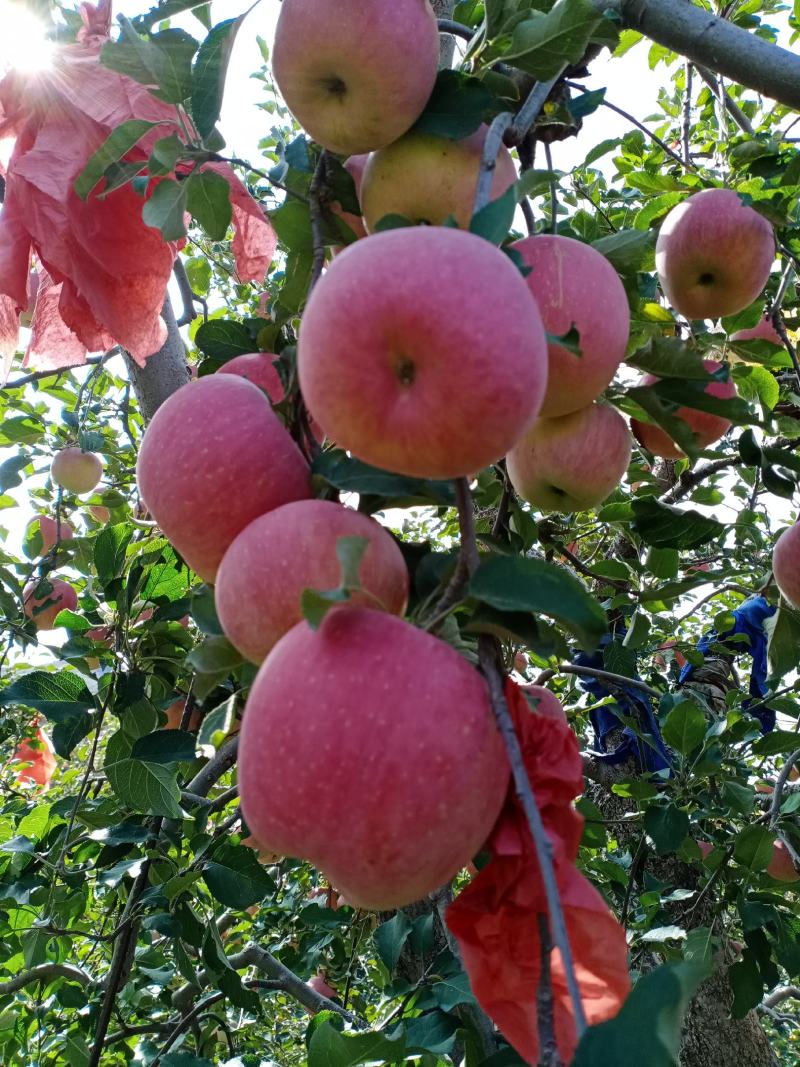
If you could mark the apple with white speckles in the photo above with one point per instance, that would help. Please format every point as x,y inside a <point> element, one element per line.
<point>576,287</point>
<point>399,728</point>
<point>786,564</point>
<point>264,572</point>
<point>544,702</point>
<point>713,254</point>
<point>356,76</point>
<point>214,457</point>
<point>572,462</point>
<point>781,867</point>
<point>422,352</point>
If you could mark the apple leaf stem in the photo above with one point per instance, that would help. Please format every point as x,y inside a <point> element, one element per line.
<point>490,662</point>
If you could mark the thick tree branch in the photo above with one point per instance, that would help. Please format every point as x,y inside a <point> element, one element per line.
<point>713,42</point>
<point>163,373</point>
<point>317,196</point>
<point>45,972</point>
<point>188,296</point>
<point>777,793</point>
<point>783,992</point>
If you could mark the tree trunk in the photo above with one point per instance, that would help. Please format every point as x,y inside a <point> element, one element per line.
<point>164,372</point>
<point>443,9</point>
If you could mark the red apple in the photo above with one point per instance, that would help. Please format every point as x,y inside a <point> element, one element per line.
<point>781,867</point>
<point>422,352</point>
<point>764,331</point>
<point>355,77</point>
<point>707,428</point>
<point>679,657</point>
<point>572,462</point>
<point>544,702</point>
<point>426,178</point>
<point>786,564</point>
<point>75,470</point>
<point>258,368</point>
<point>706,848</point>
<point>214,457</point>
<point>713,254</point>
<point>398,727</point>
<point>38,758</point>
<point>520,662</point>
<point>99,513</point>
<point>49,530</point>
<point>575,286</point>
<point>320,985</point>
<point>264,572</point>
<point>44,608</point>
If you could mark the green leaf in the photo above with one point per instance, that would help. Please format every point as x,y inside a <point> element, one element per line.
<point>292,224</point>
<point>664,526</point>
<point>663,563</point>
<point>451,992</point>
<point>647,1031</point>
<point>208,76</point>
<point>493,220</point>
<point>685,727</point>
<point>165,155</point>
<point>432,1032</point>
<point>689,393</point>
<point>316,603</point>
<point>544,42</point>
<point>669,357</point>
<point>457,106</point>
<point>626,250</point>
<point>777,741</point>
<point>350,552</point>
<point>164,746</point>
<point>784,641</point>
<point>208,200</point>
<point>667,825</point>
<point>390,937</point>
<point>69,733</point>
<point>59,696</point>
<point>144,787</point>
<point>109,552</point>
<point>236,878</point>
<point>177,48</point>
<point>223,339</point>
<point>115,146</point>
<point>747,985</point>
<point>517,583</point>
<point>165,208</point>
<point>753,847</point>
<point>353,476</point>
<point>214,654</point>
<point>330,1048</point>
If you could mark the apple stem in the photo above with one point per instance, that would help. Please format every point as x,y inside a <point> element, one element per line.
<point>490,662</point>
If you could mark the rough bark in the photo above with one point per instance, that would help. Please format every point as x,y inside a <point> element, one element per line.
<point>164,372</point>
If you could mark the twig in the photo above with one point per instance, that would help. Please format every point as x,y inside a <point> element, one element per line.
<point>490,661</point>
<point>581,567</point>
<point>636,866</point>
<point>689,480</point>
<point>491,146</point>
<point>545,1019</point>
<point>221,762</point>
<point>529,112</point>
<point>639,126</point>
<point>457,29</point>
<point>730,105</point>
<point>777,793</point>
<point>714,593</point>
<point>467,554</point>
<point>487,657</point>
<point>36,376</point>
<point>316,196</point>
<point>553,191</point>
<point>780,329</point>
<point>783,285</point>
<point>188,296</point>
<point>605,676</point>
<point>687,112</point>
<point>184,1024</point>
<point>499,524</point>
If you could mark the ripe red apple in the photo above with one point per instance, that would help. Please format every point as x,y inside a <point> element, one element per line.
<point>520,662</point>
<point>713,254</point>
<point>258,368</point>
<point>49,531</point>
<point>576,286</point>
<point>786,564</point>
<point>572,462</point>
<point>75,470</point>
<point>264,572</point>
<point>214,457</point>
<point>264,855</point>
<point>707,428</point>
<point>427,178</point>
<point>544,702</point>
<point>355,77</point>
<point>99,513</point>
<point>764,331</point>
<point>44,608</point>
<point>706,848</point>
<point>422,352</point>
<point>679,657</point>
<point>781,867</point>
<point>355,168</point>
<point>320,985</point>
<point>38,758</point>
<point>399,729</point>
